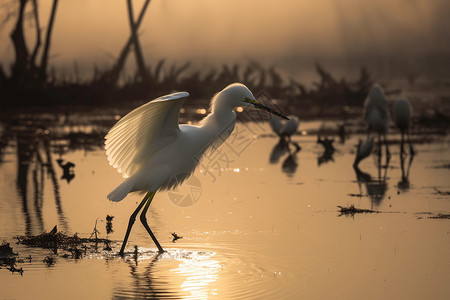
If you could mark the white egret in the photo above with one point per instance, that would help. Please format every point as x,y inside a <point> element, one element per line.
<point>153,152</point>
<point>276,125</point>
<point>376,115</point>
<point>402,118</point>
<point>284,129</point>
<point>363,150</point>
<point>290,126</point>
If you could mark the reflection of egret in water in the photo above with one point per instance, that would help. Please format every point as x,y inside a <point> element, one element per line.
<point>376,188</point>
<point>145,285</point>
<point>279,150</point>
<point>402,117</point>
<point>153,276</point>
<point>403,184</point>
<point>328,152</point>
<point>290,164</point>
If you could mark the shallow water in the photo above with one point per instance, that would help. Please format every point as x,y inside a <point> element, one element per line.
<point>257,223</point>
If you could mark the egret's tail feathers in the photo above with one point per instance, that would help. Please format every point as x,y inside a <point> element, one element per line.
<point>121,191</point>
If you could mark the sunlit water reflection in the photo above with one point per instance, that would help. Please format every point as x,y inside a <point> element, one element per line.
<point>265,224</point>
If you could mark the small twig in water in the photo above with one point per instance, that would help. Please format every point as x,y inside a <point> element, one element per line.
<point>352,210</point>
<point>175,237</point>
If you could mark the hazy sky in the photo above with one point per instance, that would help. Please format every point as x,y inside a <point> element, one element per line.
<point>211,31</point>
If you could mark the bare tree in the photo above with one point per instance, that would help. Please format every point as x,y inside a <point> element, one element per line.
<point>44,60</point>
<point>113,75</point>
<point>21,63</point>
<point>25,68</point>
<point>137,46</point>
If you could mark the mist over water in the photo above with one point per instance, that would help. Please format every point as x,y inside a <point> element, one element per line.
<point>389,37</point>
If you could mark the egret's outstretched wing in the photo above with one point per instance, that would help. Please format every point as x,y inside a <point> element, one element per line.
<point>143,131</point>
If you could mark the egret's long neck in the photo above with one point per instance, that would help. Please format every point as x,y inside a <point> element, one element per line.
<point>221,112</point>
<point>220,105</point>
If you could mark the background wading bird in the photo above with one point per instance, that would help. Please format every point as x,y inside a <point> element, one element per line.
<point>153,152</point>
<point>377,117</point>
<point>285,129</point>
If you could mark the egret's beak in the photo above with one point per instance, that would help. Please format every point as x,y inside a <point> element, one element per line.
<point>263,107</point>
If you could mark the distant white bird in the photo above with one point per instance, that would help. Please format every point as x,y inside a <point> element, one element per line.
<point>153,152</point>
<point>363,150</point>
<point>285,129</point>
<point>402,118</point>
<point>290,126</point>
<point>376,115</point>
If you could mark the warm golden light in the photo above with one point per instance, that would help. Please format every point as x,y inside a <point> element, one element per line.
<point>200,271</point>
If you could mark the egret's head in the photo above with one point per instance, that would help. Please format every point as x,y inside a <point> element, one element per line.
<point>237,94</point>
<point>376,93</point>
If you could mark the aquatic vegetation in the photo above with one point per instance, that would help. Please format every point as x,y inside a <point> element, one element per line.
<point>352,210</point>
<point>440,216</point>
<point>163,78</point>
<point>8,258</point>
<point>58,240</point>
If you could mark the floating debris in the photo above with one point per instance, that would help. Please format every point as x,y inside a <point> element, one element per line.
<point>441,192</point>
<point>49,260</point>
<point>95,232</point>
<point>352,210</point>
<point>76,253</point>
<point>107,247</point>
<point>54,230</point>
<point>8,259</point>
<point>6,250</point>
<point>440,216</point>
<point>14,269</point>
<point>356,195</point>
<point>175,237</point>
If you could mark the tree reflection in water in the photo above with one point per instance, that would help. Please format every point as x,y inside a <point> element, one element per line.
<point>35,139</point>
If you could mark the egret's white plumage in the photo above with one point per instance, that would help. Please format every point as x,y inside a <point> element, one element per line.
<point>375,111</point>
<point>290,126</point>
<point>276,125</point>
<point>376,116</point>
<point>153,152</point>
<point>363,150</point>
<point>284,128</point>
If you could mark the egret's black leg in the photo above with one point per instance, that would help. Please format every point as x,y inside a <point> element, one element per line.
<point>402,142</point>
<point>144,222</point>
<point>131,222</point>
<point>411,149</point>
<point>379,145</point>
